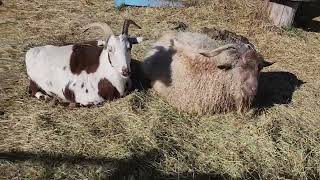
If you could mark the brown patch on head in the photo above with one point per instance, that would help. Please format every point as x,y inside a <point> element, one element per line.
<point>106,90</point>
<point>249,60</point>
<point>82,85</point>
<point>84,58</point>
<point>250,55</point>
<point>69,94</point>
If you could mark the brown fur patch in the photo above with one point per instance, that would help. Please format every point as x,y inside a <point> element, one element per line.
<point>106,90</point>
<point>34,88</point>
<point>85,58</point>
<point>69,94</point>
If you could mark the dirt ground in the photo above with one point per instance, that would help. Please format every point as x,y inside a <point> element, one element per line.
<point>141,135</point>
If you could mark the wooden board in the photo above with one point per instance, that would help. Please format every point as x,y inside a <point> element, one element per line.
<point>282,13</point>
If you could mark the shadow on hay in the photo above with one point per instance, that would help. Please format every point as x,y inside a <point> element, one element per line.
<point>138,166</point>
<point>162,72</point>
<point>139,80</point>
<point>305,15</point>
<point>276,88</point>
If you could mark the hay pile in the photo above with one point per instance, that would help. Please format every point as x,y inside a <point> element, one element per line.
<point>141,134</point>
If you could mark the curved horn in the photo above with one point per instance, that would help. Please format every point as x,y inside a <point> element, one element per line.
<point>226,60</point>
<point>218,50</point>
<point>105,27</point>
<point>126,25</point>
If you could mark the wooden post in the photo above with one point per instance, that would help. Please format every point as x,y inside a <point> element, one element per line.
<point>282,12</point>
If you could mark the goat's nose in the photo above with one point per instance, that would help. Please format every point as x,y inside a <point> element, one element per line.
<point>125,72</point>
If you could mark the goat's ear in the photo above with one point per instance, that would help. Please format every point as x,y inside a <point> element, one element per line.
<point>135,40</point>
<point>266,63</point>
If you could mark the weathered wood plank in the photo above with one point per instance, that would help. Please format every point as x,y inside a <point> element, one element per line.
<point>282,13</point>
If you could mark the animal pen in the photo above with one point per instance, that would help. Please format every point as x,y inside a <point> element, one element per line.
<point>141,135</point>
<point>283,12</point>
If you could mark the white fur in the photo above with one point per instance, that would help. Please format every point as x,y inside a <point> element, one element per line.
<point>40,95</point>
<point>139,39</point>
<point>101,42</point>
<point>45,67</point>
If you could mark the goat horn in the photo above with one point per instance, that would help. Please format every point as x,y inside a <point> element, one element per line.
<point>218,50</point>
<point>126,25</point>
<point>105,27</point>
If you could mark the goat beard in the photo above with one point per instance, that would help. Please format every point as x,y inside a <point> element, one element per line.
<point>228,102</point>
<point>234,98</point>
<point>243,101</point>
<point>244,104</point>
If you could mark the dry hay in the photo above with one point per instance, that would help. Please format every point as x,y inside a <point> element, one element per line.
<point>277,139</point>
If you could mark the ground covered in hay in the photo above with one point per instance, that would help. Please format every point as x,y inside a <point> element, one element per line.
<point>141,135</point>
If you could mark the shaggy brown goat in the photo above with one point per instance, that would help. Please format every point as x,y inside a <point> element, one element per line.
<point>201,75</point>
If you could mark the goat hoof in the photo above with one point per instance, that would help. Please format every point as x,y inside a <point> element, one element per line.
<point>72,105</point>
<point>47,98</point>
<point>54,102</point>
<point>39,95</point>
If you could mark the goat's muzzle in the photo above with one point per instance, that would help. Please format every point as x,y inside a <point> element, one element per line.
<point>125,72</point>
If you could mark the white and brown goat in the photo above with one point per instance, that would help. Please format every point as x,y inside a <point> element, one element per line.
<point>86,74</point>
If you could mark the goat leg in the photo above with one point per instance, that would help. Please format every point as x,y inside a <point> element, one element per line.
<point>54,101</point>
<point>72,105</point>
